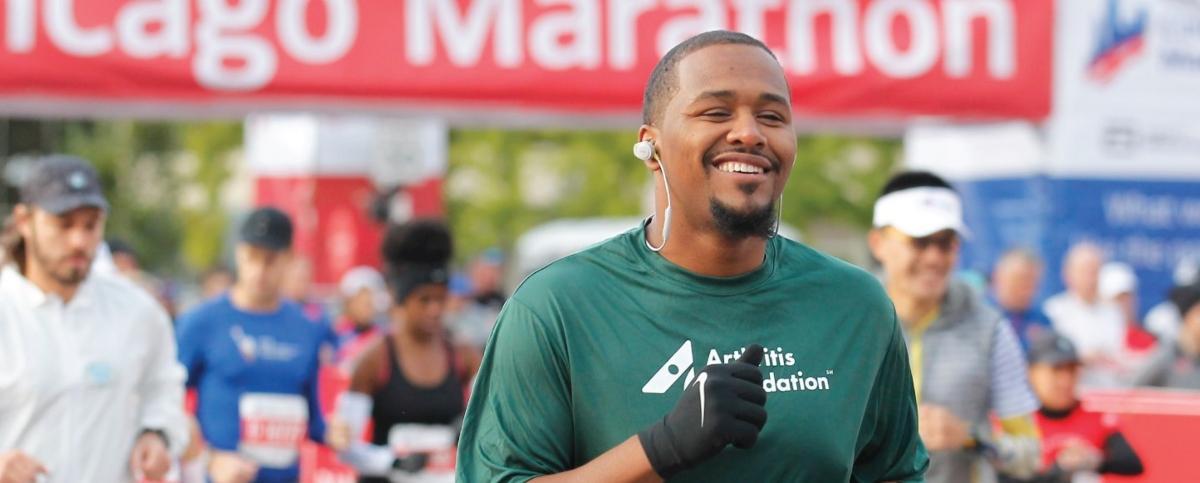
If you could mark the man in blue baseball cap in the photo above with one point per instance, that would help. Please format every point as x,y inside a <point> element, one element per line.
<point>252,357</point>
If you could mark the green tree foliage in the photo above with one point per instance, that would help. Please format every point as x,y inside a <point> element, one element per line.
<point>148,169</point>
<point>132,159</point>
<point>502,183</point>
<point>165,180</point>
<point>836,180</point>
<point>205,223</point>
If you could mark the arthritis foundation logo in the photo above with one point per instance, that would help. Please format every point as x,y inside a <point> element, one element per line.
<point>780,366</point>
<point>1118,41</point>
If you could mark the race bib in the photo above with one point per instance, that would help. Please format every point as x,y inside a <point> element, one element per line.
<point>436,441</point>
<point>272,428</point>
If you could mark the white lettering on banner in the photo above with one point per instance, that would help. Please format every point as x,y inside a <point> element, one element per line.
<point>463,38</point>
<point>228,55</point>
<point>801,39</point>
<point>922,50</point>
<point>134,31</point>
<point>215,47</point>
<point>578,23</point>
<point>750,16</point>
<point>1143,251</point>
<point>1002,37</point>
<point>1133,208</point>
<point>340,30</point>
<point>622,31</point>
<point>20,25</point>
<point>710,15</point>
<point>229,51</point>
<point>69,36</point>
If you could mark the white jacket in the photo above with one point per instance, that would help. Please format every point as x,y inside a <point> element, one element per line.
<point>79,381</point>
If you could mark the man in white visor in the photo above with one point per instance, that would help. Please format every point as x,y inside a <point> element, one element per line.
<point>966,360</point>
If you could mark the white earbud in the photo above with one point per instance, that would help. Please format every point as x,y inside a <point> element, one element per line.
<point>644,150</point>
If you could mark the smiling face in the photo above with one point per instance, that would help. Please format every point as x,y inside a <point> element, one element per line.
<point>915,268</point>
<point>726,139</point>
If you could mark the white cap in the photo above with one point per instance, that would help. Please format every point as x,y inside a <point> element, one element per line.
<point>364,277</point>
<point>1116,278</point>
<point>921,211</point>
<point>358,278</point>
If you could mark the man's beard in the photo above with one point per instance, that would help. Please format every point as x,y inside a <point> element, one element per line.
<point>65,275</point>
<point>737,225</point>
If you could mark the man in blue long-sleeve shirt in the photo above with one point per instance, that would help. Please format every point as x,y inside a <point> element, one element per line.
<point>253,359</point>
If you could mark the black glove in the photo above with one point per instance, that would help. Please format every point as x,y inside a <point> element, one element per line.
<point>412,463</point>
<point>723,406</point>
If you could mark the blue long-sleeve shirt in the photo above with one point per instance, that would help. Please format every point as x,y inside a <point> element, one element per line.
<point>230,353</point>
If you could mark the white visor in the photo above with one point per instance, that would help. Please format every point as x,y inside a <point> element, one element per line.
<point>920,212</point>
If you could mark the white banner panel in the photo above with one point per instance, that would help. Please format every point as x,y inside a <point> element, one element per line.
<point>1127,90</point>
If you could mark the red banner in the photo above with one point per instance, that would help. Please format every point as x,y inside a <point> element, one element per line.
<point>887,58</point>
<point>330,213</point>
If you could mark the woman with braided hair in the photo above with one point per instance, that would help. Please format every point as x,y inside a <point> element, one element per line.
<point>412,382</point>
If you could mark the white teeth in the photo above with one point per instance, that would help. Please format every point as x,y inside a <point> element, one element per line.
<point>732,167</point>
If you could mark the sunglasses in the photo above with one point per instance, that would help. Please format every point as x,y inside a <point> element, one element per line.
<point>945,241</point>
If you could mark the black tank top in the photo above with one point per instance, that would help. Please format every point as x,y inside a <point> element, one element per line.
<point>400,402</point>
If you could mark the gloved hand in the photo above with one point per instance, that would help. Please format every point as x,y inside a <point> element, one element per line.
<point>723,406</point>
<point>412,463</point>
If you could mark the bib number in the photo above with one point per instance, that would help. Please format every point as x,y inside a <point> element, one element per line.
<point>436,441</point>
<point>272,428</point>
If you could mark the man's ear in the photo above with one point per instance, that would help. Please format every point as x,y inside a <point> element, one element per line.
<point>647,133</point>
<point>22,216</point>
<point>875,243</point>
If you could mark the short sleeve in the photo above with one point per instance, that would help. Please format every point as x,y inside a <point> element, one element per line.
<point>1010,392</point>
<point>889,447</point>
<point>518,423</point>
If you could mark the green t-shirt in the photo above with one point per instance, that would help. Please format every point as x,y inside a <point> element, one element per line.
<point>599,345</point>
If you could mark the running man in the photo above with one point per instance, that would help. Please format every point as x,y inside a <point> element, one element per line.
<point>89,386</point>
<point>252,357</point>
<point>966,359</point>
<point>645,357</point>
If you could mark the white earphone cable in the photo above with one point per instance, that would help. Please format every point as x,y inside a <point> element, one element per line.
<point>666,229</point>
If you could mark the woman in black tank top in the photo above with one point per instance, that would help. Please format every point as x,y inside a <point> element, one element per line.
<point>415,377</point>
<point>401,401</point>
